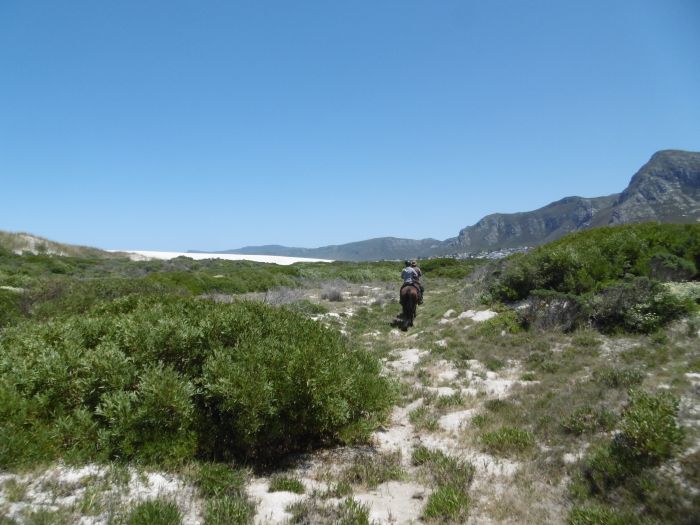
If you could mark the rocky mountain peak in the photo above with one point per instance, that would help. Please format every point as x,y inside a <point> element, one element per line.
<point>665,189</point>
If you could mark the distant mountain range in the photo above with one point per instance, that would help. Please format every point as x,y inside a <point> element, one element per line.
<point>665,189</point>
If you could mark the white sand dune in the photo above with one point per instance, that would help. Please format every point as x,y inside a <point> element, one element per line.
<point>141,255</point>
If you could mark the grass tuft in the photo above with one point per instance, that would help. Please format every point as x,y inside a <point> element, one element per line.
<point>370,470</point>
<point>155,512</point>
<point>507,441</point>
<point>286,484</point>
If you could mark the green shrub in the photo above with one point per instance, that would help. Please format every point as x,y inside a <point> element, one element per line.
<point>551,310</point>
<point>586,340</point>
<point>665,266</point>
<point>165,379</point>
<point>305,306</point>
<point>528,376</point>
<point>586,420</point>
<point>504,323</point>
<point>10,307</point>
<point>649,434</point>
<point>494,364</point>
<point>449,268</point>
<point>618,377</point>
<point>155,421</point>
<point>581,262</point>
<point>61,298</point>
<point>635,305</point>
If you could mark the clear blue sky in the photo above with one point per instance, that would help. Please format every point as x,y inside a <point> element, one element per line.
<point>177,125</point>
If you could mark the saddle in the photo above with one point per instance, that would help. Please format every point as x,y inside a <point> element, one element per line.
<point>415,285</point>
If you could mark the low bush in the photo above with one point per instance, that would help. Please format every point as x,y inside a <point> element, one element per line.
<point>10,307</point>
<point>504,323</point>
<point>614,377</point>
<point>174,378</point>
<point>581,262</point>
<point>665,266</point>
<point>449,268</point>
<point>649,434</point>
<point>549,310</point>
<point>305,306</point>
<point>635,305</point>
<point>587,420</point>
<point>334,291</point>
<point>607,277</point>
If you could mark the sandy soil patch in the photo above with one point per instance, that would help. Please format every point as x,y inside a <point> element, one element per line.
<point>478,315</point>
<point>454,421</point>
<point>408,359</point>
<point>270,505</point>
<point>395,502</point>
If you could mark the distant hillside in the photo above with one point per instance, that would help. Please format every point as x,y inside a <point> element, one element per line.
<point>666,189</point>
<point>512,230</point>
<point>20,243</point>
<point>370,250</point>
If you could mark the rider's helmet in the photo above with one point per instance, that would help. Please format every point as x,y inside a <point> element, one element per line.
<point>407,262</point>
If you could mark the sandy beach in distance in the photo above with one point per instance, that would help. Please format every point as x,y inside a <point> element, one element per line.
<point>142,255</point>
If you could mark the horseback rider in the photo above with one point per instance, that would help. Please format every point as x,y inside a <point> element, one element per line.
<point>411,275</point>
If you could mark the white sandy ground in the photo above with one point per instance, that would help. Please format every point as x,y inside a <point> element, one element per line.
<point>145,255</point>
<point>477,316</point>
<point>63,487</point>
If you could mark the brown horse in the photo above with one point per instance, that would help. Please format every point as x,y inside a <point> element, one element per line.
<point>408,300</point>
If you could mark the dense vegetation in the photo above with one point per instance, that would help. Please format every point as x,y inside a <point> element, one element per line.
<point>607,276</point>
<point>170,379</point>
<point>105,358</point>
